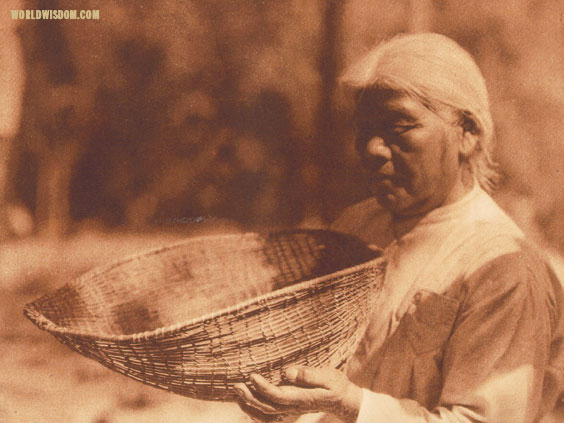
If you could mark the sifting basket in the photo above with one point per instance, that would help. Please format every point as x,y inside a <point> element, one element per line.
<point>196,317</point>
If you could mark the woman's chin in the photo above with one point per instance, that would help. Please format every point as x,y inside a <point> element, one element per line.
<point>395,200</point>
<point>389,199</point>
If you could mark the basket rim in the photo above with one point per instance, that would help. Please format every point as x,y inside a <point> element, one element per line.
<point>32,313</point>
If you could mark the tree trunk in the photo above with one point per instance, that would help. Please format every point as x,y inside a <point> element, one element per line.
<point>47,133</point>
<point>420,15</point>
<point>324,161</point>
<point>53,190</point>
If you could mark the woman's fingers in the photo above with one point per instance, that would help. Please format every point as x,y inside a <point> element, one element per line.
<point>305,390</point>
<point>251,399</point>
<point>308,376</point>
<point>288,395</point>
<point>276,394</point>
<point>257,415</point>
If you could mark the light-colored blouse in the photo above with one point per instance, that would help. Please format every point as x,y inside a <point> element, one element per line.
<point>469,326</point>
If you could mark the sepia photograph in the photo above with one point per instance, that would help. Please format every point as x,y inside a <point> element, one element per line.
<point>281,211</point>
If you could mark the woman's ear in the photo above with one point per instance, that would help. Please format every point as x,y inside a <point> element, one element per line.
<point>468,144</point>
<point>470,133</point>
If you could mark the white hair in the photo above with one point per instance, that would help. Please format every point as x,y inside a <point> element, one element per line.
<point>438,72</point>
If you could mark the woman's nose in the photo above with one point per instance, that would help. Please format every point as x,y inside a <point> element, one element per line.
<point>377,148</point>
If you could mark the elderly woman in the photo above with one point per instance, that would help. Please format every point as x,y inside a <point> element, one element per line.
<point>469,326</point>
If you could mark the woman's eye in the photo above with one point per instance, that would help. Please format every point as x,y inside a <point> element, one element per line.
<point>399,129</point>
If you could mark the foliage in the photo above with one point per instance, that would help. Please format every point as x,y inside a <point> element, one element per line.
<point>183,109</point>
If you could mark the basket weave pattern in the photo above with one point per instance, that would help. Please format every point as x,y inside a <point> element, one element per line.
<point>196,317</point>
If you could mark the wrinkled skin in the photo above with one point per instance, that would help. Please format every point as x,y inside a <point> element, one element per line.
<point>410,154</point>
<point>306,390</point>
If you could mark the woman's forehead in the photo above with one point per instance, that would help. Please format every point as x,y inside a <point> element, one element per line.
<point>387,102</point>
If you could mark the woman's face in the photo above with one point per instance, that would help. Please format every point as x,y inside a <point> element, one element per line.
<point>410,153</point>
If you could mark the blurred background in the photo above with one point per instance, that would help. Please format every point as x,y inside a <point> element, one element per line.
<point>174,118</point>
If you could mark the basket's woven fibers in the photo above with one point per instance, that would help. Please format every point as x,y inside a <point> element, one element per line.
<point>196,317</point>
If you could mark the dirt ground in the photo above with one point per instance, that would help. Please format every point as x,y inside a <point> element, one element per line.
<point>42,380</point>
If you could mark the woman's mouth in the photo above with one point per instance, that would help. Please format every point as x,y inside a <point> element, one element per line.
<point>388,180</point>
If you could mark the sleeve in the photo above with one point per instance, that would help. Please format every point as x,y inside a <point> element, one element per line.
<point>494,363</point>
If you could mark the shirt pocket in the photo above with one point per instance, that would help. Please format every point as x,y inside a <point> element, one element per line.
<point>429,321</point>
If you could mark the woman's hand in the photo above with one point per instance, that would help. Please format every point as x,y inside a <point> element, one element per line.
<point>305,390</point>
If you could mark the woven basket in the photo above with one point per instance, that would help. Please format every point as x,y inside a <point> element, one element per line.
<point>196,317</point>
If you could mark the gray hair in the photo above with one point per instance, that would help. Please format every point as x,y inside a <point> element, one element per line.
<point>441,74</point>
